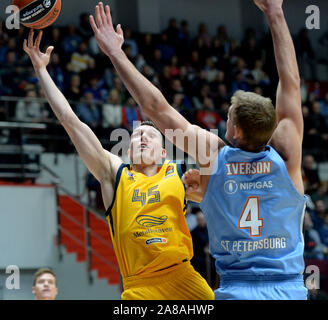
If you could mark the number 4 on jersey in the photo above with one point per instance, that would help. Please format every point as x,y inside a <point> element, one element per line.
<point>250,217</point>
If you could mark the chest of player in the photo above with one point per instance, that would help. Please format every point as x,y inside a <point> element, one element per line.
<point>141,192</point>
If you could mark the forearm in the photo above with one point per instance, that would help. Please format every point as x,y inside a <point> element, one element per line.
<point>56,99</point>
<point>284,49</point>
<point>148,97</point>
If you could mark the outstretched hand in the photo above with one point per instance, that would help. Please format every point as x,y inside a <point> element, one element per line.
<point>109,40</point>
<point>39,60</point>
<point>191,180</point>
<point>268,6</point>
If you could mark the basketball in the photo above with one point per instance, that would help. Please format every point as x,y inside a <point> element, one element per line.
<point>38,14</point>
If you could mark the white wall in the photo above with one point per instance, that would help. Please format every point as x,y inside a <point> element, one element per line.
<point>27,226</point>
<point>70,169</point>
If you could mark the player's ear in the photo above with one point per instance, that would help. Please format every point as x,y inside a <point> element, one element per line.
<point>237,133</point>
<point>163,153</point>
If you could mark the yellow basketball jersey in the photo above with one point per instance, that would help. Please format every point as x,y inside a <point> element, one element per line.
<point>147,222</point>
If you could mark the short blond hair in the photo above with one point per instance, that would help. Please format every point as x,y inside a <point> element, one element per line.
<point>255,116</point>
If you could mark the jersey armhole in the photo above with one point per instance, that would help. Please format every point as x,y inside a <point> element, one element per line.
<point>117,181</point>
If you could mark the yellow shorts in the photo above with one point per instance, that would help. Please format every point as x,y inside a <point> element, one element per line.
<point>180,282</point>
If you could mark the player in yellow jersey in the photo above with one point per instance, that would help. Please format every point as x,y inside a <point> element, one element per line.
<point>146,204</point>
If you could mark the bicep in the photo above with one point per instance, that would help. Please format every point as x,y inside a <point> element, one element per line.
<point>289,106</point>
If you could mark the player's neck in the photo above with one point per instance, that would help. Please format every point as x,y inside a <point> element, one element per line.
<point>146,169</point>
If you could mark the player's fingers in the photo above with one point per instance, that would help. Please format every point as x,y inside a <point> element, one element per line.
<point>49,50</point>
<point>119,30</point>
<point>98,17</point>
<point>25,45</point>
<point>102,13</point>
<point>108,15</point>
<point>38,39</point>
<point>93,24</point>
<point>30,38</point>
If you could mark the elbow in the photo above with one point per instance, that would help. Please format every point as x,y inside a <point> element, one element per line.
<point>153,105</point>
<point>66,118</point>
<point>291,82</point>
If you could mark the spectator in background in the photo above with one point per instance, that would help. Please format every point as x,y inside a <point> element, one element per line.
<point>239,83</point>
<point>30,110</point>
<point>95,86</point>
<point>165,81</point>
<point>305,53</point>
<point>174,66</point>
<point>202,255</point>
<point>172,32</point>
<point>156,61</point>
<point>56,72</point>
<point>54,37</point>
<point>11,45</point>
<point>324,108</point>
<point>118,85</point>
<point>147,47</point>
<point>204,35</point>
<point>44,285</point>
<point>88,112</point>
<point>260,77</point>
<point>320,211</point>
<point>251,52</point>
<point>79,59</point>
<point>179,104</point>
<point>207,117</point>
<point>310,174</point>
<point>73,92</point>
<point>307,141</point>
<point>130,41</point>
<point>323,231</point>
<point>112,111</point>
<point>92,70</point>
<point>313,247</point>
<point>130,114</point>
<point>210,69</point>
<point>318,131</point>
<point>71,41</point>
<point>85,29</point>
<point>321,193</point>
<point>9,71</point>
<point>184,41</point>
<point>167,50</point>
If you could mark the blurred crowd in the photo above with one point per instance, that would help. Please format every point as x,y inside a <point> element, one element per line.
<point>197,75</point>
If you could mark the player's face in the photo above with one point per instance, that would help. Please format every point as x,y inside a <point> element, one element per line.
<point>146,146</point>
<point>45,287</point>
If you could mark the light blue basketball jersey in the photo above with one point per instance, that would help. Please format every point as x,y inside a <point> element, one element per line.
<point>254,216</point>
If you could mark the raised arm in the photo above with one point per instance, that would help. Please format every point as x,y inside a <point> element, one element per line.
<point>102,164</point>
<point>148,97</point>
<point>287,138</point>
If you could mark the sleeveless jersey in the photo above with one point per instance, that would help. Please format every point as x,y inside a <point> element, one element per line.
<point>254,215</point>
<point>147,223</point>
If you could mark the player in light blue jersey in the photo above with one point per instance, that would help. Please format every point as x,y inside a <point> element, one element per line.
<point>251,192</point>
